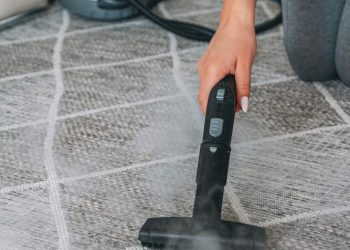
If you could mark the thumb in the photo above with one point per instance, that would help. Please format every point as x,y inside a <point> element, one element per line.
<point>243,78</point>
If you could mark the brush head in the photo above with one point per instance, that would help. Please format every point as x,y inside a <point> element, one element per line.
<point>193,234</point>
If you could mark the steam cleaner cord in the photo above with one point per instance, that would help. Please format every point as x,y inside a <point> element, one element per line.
<point>194,31</point>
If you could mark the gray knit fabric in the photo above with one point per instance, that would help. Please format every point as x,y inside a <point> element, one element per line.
<point>310,36</point>
<point>100,130</point>
<point>342,58</point>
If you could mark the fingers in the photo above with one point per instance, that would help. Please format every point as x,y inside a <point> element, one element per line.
<point>243,78</point>
<point>209,75</point>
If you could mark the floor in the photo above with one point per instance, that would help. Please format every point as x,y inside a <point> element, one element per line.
<point>100,130</point>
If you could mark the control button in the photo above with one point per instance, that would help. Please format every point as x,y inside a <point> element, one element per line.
<point>213,149</point>
<point>220,95</point>
<point>215,128</point>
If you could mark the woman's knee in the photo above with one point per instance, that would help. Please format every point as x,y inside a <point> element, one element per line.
<point>310,35</point>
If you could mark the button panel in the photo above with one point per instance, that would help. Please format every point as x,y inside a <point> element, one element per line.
<point>215,128</point>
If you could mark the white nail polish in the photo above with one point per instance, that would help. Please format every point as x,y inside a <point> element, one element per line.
<point>245,103</point>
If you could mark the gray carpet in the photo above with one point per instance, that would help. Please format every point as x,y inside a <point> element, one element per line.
<point>100,130</point>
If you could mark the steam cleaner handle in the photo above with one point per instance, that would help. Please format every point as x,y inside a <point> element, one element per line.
<point>221,112</point>
<point>215,150</point>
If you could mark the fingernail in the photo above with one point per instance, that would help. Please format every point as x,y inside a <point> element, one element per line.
<point>245,103</point>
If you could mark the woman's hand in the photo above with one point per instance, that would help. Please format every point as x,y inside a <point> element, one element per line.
<point>231,51</point>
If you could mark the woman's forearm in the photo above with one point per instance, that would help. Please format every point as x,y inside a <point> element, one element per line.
<point>241,9</point>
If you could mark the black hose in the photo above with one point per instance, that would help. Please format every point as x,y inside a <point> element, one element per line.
<point>194,31</point>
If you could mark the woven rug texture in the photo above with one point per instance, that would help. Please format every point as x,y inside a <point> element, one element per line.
<point>100,129</point>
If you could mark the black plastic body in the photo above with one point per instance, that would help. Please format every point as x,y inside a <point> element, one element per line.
<point>189,234</point>
<point>108,10</point>
<point>105,10</point>
<point>213,166</point>
<point>205,230</point>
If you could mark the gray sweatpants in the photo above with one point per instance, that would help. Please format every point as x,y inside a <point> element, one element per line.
<point>317,38</point>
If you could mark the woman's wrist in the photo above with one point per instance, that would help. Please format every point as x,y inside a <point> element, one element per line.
<point>242,11</point>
